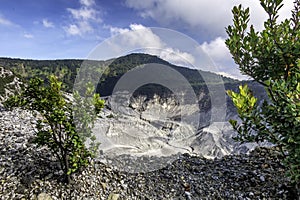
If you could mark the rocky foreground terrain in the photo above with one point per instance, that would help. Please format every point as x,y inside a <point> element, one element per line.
<point>29,172</point>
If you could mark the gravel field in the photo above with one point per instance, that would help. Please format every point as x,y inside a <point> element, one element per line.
<point>28,172</point>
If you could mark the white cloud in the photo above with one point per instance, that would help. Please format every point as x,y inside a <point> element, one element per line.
<point>116,30</point>
<point>73,29</point>
<point>83,13</point>
<point>83,18</point>
<point>177,57</point>
<point>201,15</point>
<point>28,36</point>
<point>216,49</point>
<point>5,22</point>
<point>87,2</point>
<point>140,38</point>
<point>79,29</point>
<point>221,57</point>
<point>47,23</point>
<point>138,35</point>
<point>191,13</point>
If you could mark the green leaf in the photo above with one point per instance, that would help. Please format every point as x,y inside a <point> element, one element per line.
<point>233,122</point>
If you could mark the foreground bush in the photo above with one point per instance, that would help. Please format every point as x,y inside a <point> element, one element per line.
<point>270,57</point>
<point>57,127</point>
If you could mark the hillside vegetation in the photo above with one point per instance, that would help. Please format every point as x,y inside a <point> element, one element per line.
<point>67,70</point>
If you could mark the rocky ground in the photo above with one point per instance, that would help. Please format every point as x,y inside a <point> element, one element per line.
<point>29,172</point>
<point>161,126</point>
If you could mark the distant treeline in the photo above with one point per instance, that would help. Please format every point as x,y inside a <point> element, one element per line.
<point>108,72</point>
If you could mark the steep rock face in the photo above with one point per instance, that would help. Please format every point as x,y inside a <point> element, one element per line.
<point>155,126</point>
<point>9,83</point>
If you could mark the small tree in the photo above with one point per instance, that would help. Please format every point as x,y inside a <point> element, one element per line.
<point>85,109</point>
<point>57,128</point>
<point>270,57</point>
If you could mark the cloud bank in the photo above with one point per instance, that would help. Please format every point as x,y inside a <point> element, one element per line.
<point>201,15</point>
<point>142,39</point>
<point>5,22</point>
<point>83,18</point>
<point>47,23</point>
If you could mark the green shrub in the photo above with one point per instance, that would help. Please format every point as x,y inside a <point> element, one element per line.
<point>270,57</point>
<point>57,129</point>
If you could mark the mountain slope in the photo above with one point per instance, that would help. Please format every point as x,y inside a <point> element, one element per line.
<point>68,69</point>
<point>121,65</point>
<point>152,119</point>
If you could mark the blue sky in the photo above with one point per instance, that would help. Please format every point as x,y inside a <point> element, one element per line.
<point>55,29</point>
